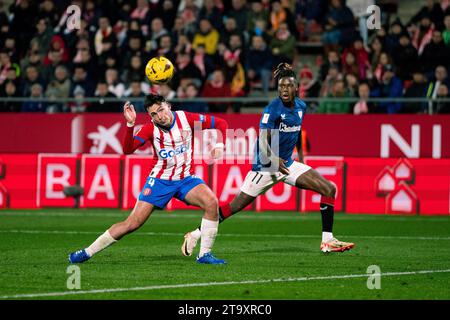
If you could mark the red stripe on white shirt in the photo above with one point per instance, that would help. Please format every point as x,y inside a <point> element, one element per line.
<point>188,140</point>
<point>183,141</point>
<point>174,165</point>
<point>161,146</point>
<point>179,166</point>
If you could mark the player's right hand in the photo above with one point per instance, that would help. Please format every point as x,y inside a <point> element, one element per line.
<point>129,113</point>
<point>217,151</point>
<point>282,166</point>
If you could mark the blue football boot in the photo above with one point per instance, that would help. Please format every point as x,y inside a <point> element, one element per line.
<point>79,256</point>
<point>208,258</point>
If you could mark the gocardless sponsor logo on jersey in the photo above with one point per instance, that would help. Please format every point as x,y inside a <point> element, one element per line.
<point>169,153</point>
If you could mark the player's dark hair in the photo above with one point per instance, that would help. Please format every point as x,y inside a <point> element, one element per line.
<point>151,99</point>
<point>284,70</point>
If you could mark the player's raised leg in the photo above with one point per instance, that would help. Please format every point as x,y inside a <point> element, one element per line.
<point>203,197</point>
<point>242,200</point>
<point>142,210</point>
<point>312,180</point>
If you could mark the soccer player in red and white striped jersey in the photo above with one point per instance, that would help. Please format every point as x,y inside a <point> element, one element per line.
<point>173,143</point>
<point>171,174</point>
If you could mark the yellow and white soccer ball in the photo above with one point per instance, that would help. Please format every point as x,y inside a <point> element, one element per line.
<point>159,70</point>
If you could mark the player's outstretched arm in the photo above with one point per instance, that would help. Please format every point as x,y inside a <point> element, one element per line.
<point>130,116</point>
<point>221,125</point>
<point>203,122</point>
<point>129,113</point>
<point>132,142</point>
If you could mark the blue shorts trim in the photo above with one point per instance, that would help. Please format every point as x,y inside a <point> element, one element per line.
<point>159,192</point>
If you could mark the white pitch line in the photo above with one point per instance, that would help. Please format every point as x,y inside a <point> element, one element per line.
<point>174,234</point>
<point>225,283</point>
<point>223,234</point>
<point>245,216</point>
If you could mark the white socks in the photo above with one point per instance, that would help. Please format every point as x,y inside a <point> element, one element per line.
<point>208,235</point>
<point>327,236</point>
<point>102,242</point>
<point>196,233</point>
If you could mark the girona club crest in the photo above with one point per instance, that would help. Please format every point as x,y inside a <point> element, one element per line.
<point>147,191</point>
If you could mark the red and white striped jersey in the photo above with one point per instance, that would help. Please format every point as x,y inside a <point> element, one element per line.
<point>173,148</point>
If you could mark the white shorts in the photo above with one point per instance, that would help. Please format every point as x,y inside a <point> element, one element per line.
<point>258,182</point>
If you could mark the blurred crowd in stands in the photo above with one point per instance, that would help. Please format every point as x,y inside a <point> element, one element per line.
<point>222,49</point>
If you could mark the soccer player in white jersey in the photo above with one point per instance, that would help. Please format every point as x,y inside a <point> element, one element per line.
<point>171,174</point>
<point>281,122</point>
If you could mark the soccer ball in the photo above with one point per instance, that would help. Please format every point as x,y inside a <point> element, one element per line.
<point>159,70</point>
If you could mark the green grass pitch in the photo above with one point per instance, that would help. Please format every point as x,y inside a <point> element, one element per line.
<point>271,255</point>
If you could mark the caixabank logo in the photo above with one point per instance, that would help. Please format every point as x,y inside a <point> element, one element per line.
<point>395,184</point>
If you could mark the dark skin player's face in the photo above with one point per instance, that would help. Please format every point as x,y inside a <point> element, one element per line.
<point>287,89</point>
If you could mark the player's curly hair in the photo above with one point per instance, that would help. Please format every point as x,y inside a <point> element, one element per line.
<point>284,70</point>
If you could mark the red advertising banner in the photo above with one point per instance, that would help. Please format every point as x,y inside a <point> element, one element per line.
<point>56,171</point>
<point>135,173</point>
<point>4,194</point>
<point>18,181</point>
<point>36,132</point>
<point>136,169</point>
<point>380,136</point>
<point>395,186</point>
<point>228,179</point>
<point>100,178</point>
<point>365,185</point>
<point>281,196</point>
<point>331,168</point>
<point>377,136</point>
